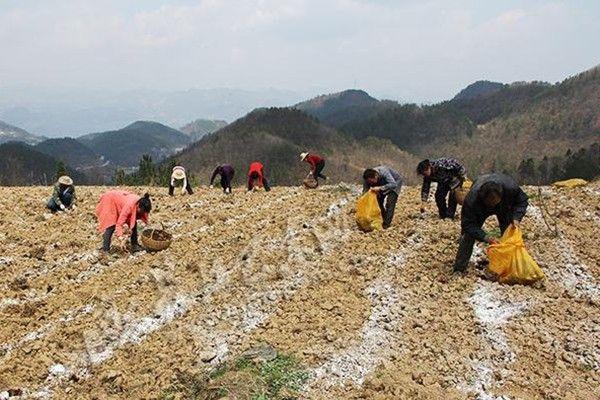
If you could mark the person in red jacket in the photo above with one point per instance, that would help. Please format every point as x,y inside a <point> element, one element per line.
<point>317,163</point>
<point>117,209</point>
<point>256,176</point>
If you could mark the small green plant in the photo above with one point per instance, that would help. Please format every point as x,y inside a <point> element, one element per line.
<point>277,379</point>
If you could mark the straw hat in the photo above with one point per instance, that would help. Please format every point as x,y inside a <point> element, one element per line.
<point>178,173</point>
<point>65,180</point>
<point>303,156</point>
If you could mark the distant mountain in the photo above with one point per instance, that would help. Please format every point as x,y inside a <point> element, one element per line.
<point>502,101</point>
<point>535,131</point>
<point>479,89</point>
<point>71,112</point>
<point>126,146</point>
<point>344,107</point>
<point>200,127</point>
<point>70,151</point>
<point>9,133</point>
<point>277,136</point>
<point>21,165</point>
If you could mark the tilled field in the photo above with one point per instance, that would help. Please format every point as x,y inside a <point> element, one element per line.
<point>373,316</point>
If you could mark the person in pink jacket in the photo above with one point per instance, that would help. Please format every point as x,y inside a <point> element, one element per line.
<point>118,208</point>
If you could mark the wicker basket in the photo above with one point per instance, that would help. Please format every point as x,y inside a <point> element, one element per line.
<point>156,239</point>
<point>310,182</point>
<point>461,193</point>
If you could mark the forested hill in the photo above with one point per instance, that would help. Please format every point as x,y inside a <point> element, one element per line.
<point>21,165</point>
<point>535,131</point>
<point>125,147</point>
<point>277,136</point>
<point>9,133</point>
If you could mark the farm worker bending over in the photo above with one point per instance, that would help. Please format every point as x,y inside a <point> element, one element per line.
<point>493,194</point>
<point>226,172</point>
<point>256,177</point>
<point>449,175</point>
<point>63,197</point>
<point>317,163</point>
<point>387,184</point>
<point>118,208</point>
<point>178,174</point>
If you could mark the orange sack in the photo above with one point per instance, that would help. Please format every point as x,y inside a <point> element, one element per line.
<point>510,261</point>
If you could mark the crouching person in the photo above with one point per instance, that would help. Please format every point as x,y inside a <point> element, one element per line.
<point>118,209</point>
<point>178,174</point>
<point>493,194</point>
<point>63,197</point>
<point>387,184</point>
<point>226,172</point>
<point>256,177</point>
<point>449,175</point>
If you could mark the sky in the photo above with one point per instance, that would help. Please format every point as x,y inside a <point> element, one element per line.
<point>408,50</point>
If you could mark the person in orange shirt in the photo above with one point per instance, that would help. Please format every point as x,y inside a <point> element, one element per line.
<point>256,176</point>
<point>118,209</point>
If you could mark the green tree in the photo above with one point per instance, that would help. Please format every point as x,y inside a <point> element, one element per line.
<point>147,171</point>
<point>526,171</point>
<point>61,169</point>
<point>120,179</point>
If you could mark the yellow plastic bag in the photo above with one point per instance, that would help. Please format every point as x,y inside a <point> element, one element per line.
<point>368,213</point>
<point>510,261</point>
<point>571,183</point>
<point>461,192</point>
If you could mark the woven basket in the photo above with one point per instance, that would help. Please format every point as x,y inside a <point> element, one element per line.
<point>310,182</point>
<point>461,193</point>
<point>156,239</point>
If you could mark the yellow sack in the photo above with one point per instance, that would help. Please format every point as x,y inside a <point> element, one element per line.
<point>571,183</point>
<point>460,193</point>
<point>368,213</point>
<point>510,260</point>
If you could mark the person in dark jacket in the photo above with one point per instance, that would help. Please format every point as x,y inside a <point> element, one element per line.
<point>387,184</point>
<point>63,197</point>
<point>317,163</point>
<point>256,177</point>
<point>449,175</point>
<point>226,172</point>
<point>493,194</point>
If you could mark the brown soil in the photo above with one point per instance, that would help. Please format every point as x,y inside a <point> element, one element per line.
<point>371,316</point>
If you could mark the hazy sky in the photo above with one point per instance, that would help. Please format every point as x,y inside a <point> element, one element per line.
<point>410,50</point>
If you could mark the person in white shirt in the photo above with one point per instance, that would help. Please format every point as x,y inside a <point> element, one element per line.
<point>178,174</point>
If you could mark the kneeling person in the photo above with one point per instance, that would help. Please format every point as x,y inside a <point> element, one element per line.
<point>493,194</point>
<point>63,197</point>
<point>387,184</point>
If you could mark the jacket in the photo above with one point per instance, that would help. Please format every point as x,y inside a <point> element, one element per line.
<point>118,207</point>
<point>58,192</point>
<point>259,168</point>
<point>226,171</point>
<point>389,180</point>
<point>313,160</point>
<point>447,171</point>
<point>474,212</point>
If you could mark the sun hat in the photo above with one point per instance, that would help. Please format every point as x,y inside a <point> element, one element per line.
<point>303,156</point>
<point>65,180</point>
<point>178,172</point>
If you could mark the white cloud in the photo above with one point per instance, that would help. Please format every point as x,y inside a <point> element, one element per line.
<point>414,50</point>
